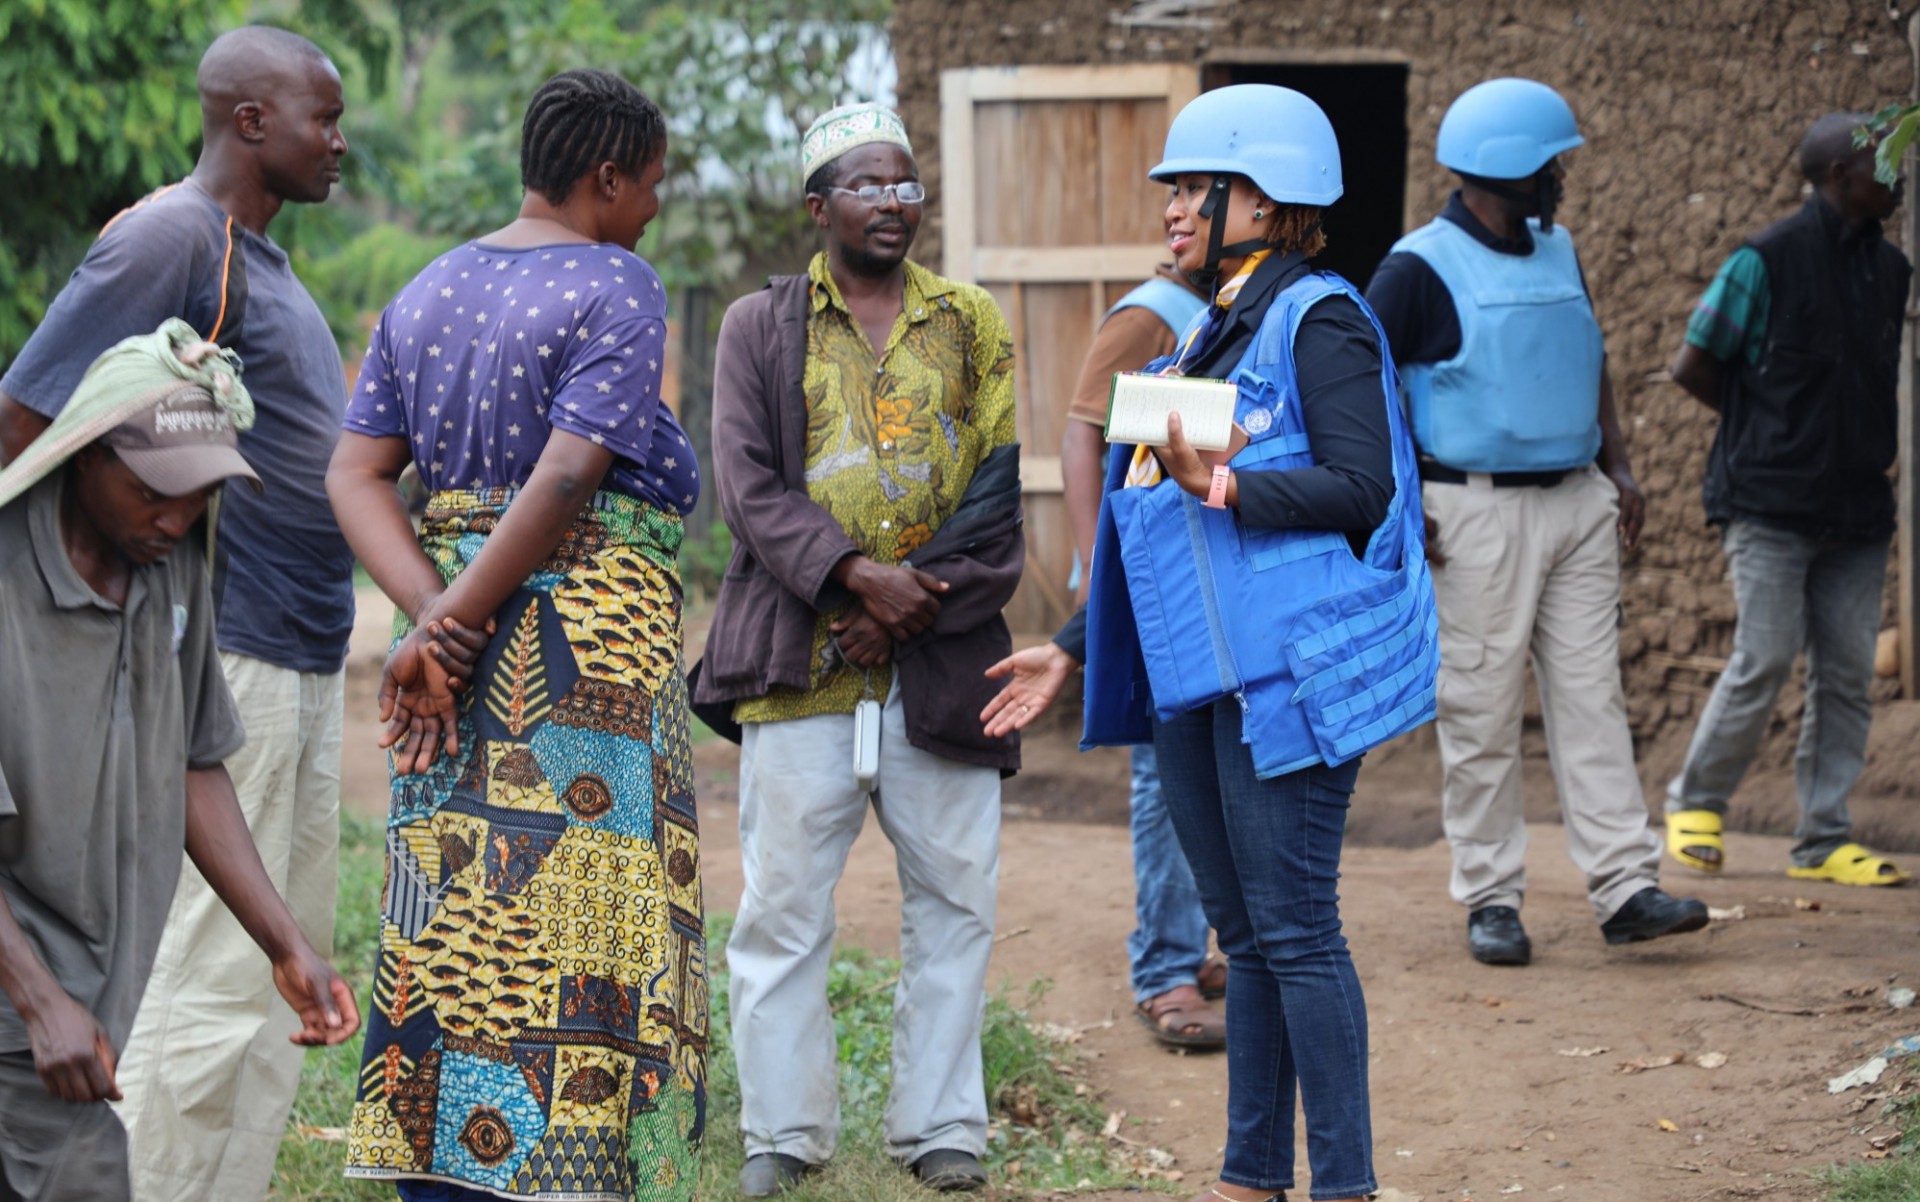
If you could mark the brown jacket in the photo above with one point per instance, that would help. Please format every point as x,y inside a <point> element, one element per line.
<point>785,547</point>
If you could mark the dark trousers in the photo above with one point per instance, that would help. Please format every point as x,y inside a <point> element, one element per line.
<point>1266,857</point>
<point>54,1151</point>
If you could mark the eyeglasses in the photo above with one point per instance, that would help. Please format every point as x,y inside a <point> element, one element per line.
<point>908,193</point>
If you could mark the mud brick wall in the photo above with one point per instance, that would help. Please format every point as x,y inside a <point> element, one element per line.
<point>1692,114</point>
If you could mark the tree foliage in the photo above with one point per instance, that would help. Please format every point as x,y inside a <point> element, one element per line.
<point>1890,132</point>
<point>100,109</point>
<point>738,81</point>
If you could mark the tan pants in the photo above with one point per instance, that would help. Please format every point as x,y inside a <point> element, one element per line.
<point>208,1073</point>
<point>1535,570</point>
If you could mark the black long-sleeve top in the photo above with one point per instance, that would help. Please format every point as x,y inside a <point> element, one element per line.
<point>1337,369</point>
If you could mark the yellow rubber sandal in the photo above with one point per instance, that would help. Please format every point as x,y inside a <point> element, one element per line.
<point>1691,831</point>
<point>1852,864</point>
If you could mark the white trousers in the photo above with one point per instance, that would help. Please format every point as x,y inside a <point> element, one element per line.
<point>1535,570</point>
<point>799,814</point>
<point>208,1074</point>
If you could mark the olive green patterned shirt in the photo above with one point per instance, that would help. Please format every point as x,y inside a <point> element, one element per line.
<point>892,441</point>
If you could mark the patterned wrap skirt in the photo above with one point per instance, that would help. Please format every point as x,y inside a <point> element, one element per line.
<point>538,1026</point>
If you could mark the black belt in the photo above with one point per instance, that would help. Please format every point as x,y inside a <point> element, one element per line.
<point>1438,473</point>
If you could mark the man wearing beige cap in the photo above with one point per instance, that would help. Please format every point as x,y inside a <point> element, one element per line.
<point>210,1076</point>
<point>118,721</point>
<point>864,447</point>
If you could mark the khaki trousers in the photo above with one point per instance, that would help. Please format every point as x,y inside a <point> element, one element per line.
<point>1535,570</point>
<point>208,1073</point>
<point>800,812</point>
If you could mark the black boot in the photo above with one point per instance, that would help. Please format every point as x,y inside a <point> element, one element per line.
<point>1495,936</point>
<point>769,1173</point>
<point>1650,914</point>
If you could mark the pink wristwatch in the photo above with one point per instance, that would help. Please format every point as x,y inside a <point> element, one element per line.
<point>1217,494</point>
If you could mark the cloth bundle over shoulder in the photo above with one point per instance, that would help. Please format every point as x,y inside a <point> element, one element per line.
<point>1138,405</point>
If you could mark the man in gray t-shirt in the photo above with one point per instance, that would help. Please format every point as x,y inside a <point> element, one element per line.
<point>118,718</point>
<point>205,1115</point>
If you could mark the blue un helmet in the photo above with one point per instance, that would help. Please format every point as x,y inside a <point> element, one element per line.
<point>1276,137</point>
<point>1509,129</point>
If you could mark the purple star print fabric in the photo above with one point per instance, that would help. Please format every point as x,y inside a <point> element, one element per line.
<point>489,349</point>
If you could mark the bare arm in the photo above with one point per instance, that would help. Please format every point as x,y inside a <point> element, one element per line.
<point>1700,374</point>
<point>222,849</point>
<point>360,484</point>
<point>416,688</point>
<point>1618,467</point>
<point>19,426</point>
<point>1081,478</point>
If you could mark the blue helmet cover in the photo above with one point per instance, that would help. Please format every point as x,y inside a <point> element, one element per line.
<point>1506,129</point>
<point>1276,137</point>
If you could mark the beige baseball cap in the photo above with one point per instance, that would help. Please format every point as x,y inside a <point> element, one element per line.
<point>181,445</point>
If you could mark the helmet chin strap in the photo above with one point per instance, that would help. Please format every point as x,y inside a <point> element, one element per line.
<point>1214,209</point>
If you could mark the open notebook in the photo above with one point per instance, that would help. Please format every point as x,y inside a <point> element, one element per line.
<point>1137,410</point>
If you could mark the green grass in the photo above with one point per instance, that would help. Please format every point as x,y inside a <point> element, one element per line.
<point>308,1169</point>
<point>1897,1177</point>
<point>1045,1128</point>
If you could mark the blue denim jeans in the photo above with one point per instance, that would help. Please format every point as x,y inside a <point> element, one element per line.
<point>1266,857</point>
<point>1793,593</point>
<point>1169,940</point>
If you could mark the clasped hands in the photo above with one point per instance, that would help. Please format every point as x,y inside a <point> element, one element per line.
<point>896,603</point>
<point>420,686</point>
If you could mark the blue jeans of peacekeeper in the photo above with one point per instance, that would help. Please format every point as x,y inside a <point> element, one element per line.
<point>1266,857</point>
<point>1169,940</point>
<point>1794,593</point>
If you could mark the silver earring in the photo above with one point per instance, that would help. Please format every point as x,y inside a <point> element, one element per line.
<point>1259,213</point>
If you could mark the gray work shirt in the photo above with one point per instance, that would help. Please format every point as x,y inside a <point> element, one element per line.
<point>102,710</point>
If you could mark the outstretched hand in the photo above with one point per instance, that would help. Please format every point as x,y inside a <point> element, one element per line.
<point>1038,675</point>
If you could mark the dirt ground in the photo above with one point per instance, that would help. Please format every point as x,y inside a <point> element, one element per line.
<point>1486,1082</point>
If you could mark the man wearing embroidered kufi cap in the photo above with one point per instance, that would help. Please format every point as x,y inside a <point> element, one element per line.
<point>864,443</point>
<point>111,755</point>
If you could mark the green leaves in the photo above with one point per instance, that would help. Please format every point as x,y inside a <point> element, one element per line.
<point>99,97</point>
<point>1894,129</point>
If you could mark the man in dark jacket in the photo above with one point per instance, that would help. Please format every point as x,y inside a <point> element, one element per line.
<point>1796,346</point>
<point>864,449</point>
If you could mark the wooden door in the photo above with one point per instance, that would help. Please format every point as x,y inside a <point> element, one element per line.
<point>1047,205</point>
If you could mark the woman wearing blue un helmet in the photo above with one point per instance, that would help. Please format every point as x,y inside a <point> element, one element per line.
<point>1263,622</point>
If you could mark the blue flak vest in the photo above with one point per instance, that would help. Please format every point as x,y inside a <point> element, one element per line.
<point>1167,300</point>
<point>1328,654</point>
<point>1523,393</point>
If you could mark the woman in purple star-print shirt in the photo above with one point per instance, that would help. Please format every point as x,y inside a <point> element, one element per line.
<point>539,1020</point>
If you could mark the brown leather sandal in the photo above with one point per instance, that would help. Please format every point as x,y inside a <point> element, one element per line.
<point>1181,1018</point>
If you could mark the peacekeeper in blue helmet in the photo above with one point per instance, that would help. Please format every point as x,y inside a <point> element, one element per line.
<point>1262,621</point>
<point>1529,498</point>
